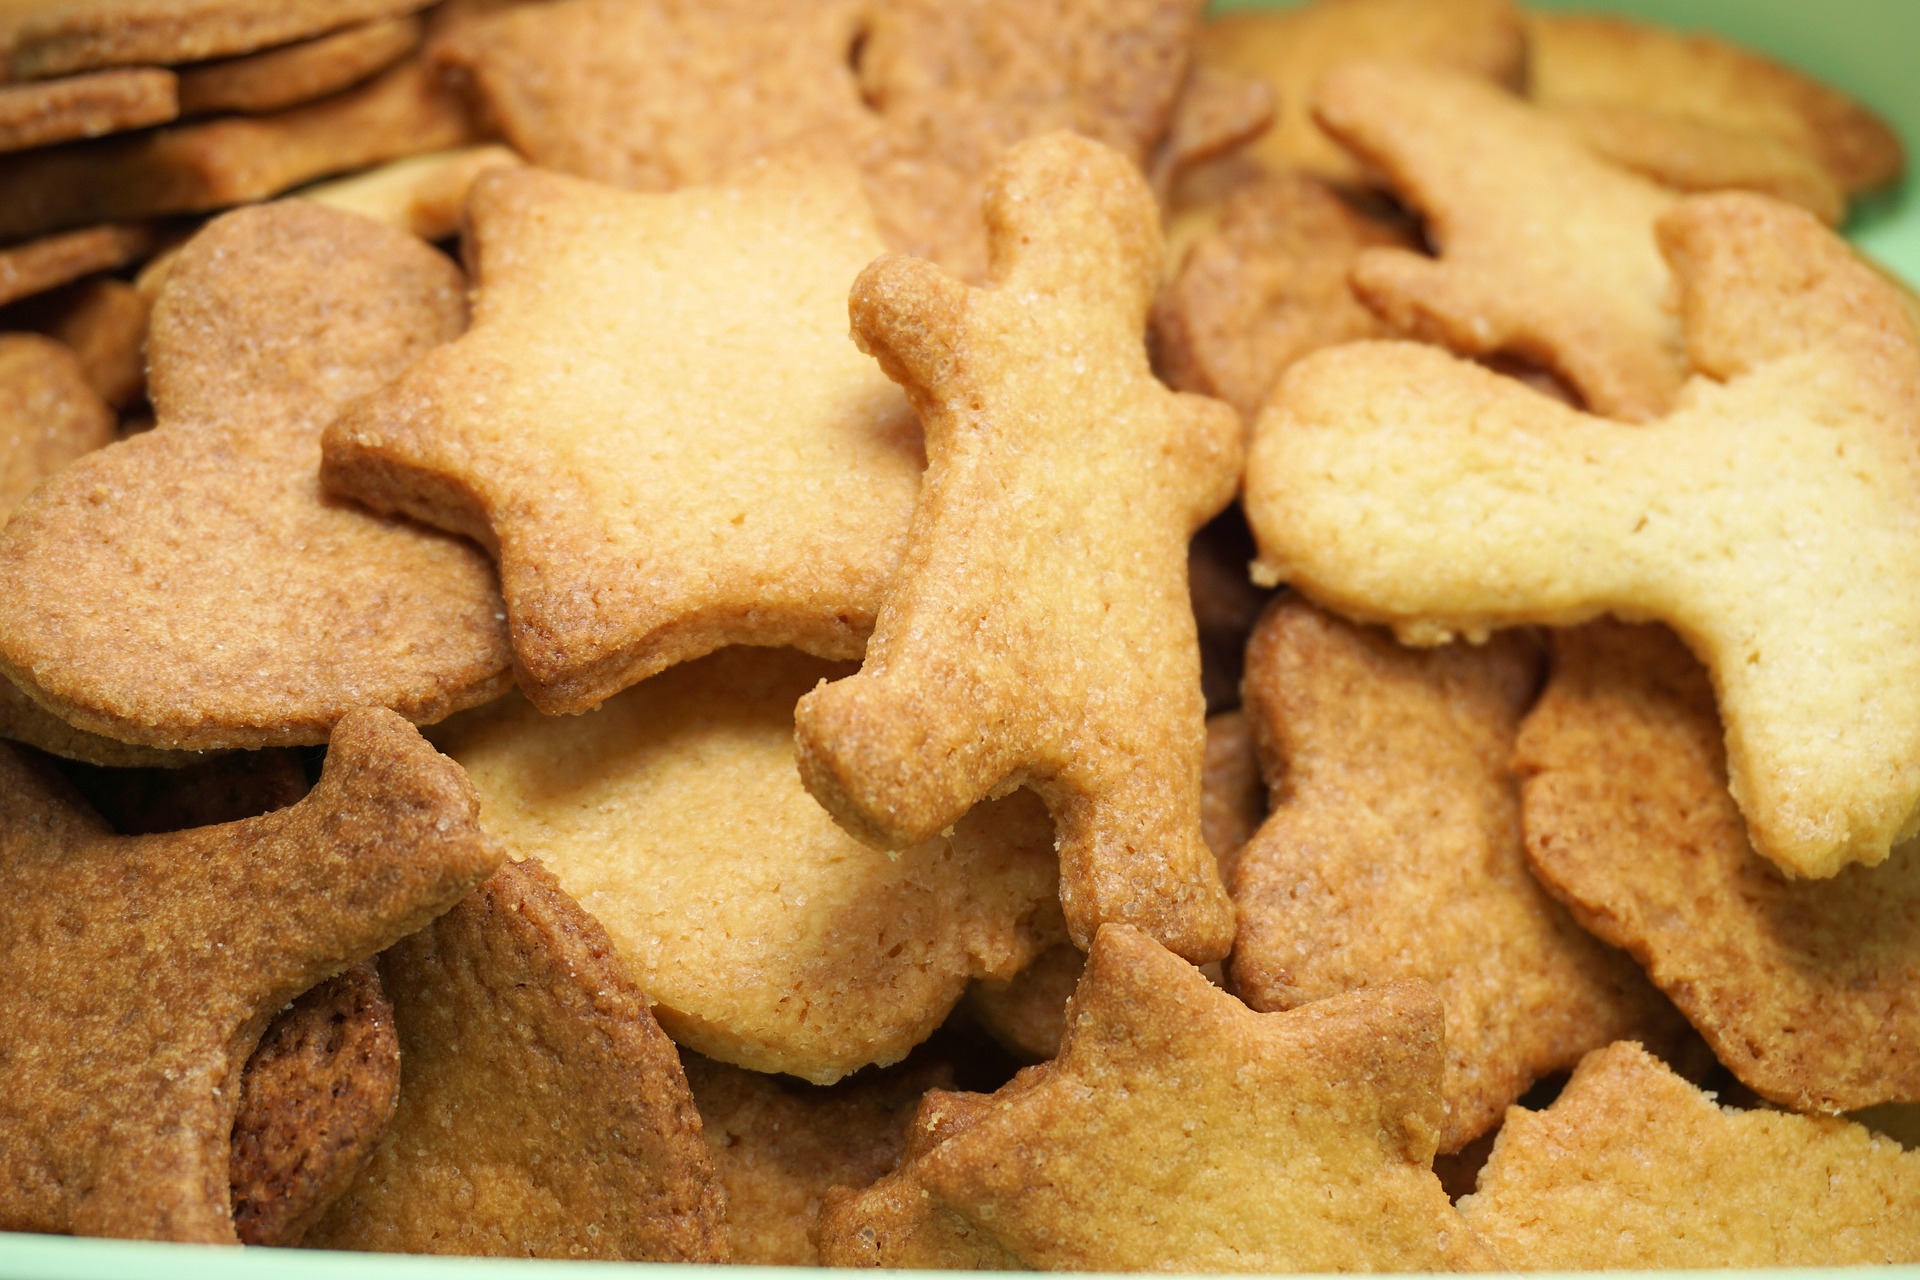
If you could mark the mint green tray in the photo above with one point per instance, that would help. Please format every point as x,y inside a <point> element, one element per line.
<point>1870,48</point>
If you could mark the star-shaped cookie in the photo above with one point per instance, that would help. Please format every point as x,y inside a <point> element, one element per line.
<point>1179,1128</point>
<point>1040,631</point>
<point>143,969</point>
<point>657,424</point>
<point>1772,519</point>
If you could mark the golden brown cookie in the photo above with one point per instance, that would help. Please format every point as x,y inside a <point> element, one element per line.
<point>62,36</point>
<point>763,934</point>
<point>779,1147</point>
<point>1293,47</point>
<point>425,195</point>
<point>1179,1128</point>
<point>1266,287</point>
<point>246,609</point>
<point>314,1099</point>
<point>49,416</point>
<point>212,790</point>
<point>24,720</point>
<point>542,1112</point>
<point>192,168</point>
<point>1040,631</point>
<point>1545,251</point>
<point>1779,497</point>
<point>46,111</point>
<point>296,73</point>
<point>656,424</point>
<point>1217,111</point>
<point>1805,990</point>
<point>1380,756</point>
<point>1632,1167</point>
<point>103,321</point>
<point>139,989</point>
<point>1603,63</point>
<point>51,261</point>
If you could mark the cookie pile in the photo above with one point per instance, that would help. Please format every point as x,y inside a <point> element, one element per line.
<point>1325,682</point>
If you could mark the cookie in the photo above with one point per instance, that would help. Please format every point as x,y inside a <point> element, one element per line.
<point>196,167</point>
<point>128,1028</point>
<point>41,112</point>
<point>1803,989</point>
<point>1039,631</point>
<point>656,424</point>
<point>1602,63</point>
<point>249,611</point>
<point>1293,48</point>
<point>24,720</point>
<point>49,416</point>
<point>212,790</point>
<point>1226,604</point>
<point>51,261</point>
<point>762,933</point>
<point>1233,798</point>
<point>1545,251</point>
<point>1632,1167</point>
<point>296,73</point>
<point>778,1147</point>
<point>1380,756</point>
<point>1217,111</point>
<point>542,1112</point>
<point>103,321</point>
<point>1169,1131</point>
<point>425,195</point>
<point>1267,286</point>
<point>314,1099</point>
<point>1777,497</point>
<point>77,35</point>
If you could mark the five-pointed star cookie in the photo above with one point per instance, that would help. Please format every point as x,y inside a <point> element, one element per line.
<point>142,969</point>
<point>190,587</point>
<point>658,425</point>
<point>1388,757</point>
<point>1773,519</point>
<point>1545,251</point>
<point>1178,1127</point>
<point>1040,630</point>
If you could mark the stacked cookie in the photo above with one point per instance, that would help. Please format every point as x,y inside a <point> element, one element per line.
<point>1139,758</point>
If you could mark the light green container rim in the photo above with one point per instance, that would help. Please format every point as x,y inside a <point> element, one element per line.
<point>1870,48</point>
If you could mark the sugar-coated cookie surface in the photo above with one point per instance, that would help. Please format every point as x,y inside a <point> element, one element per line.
<point>127,1028</point>
<point>1039,631</point>
<point>763,934</point>
<point>1771,519</point>
<point>1805,990</point>
<point>314,1099</point>
<point>542,1112</point>
<point>247,609</point>
<point>1172,1127</point>
<point>657,424</point>
<point>1388,758</point>
<point>1293,47</point>
<point>1632,1167</point>
<point>1545,251</point>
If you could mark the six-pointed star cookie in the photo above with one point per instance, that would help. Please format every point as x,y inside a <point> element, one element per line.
<point>142,969</point>
<point>1040,631</point>
<point>1179,1127</point>
<point>658,425</point>
<point>1773,519</point>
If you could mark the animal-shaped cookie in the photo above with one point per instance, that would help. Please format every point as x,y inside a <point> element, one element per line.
<point>246,608</point>
<point>1634,1168</point>
<point>1803,989</point>
<point>1770,519</point>
<point>144,968</point>
<point>1384,757</point>
<point>1545,251</point>
<point>1178,1127</point>
<point>762,933</point>
<point>542,1112</point>
<point>657,424</point>
<point>1039,631</point>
